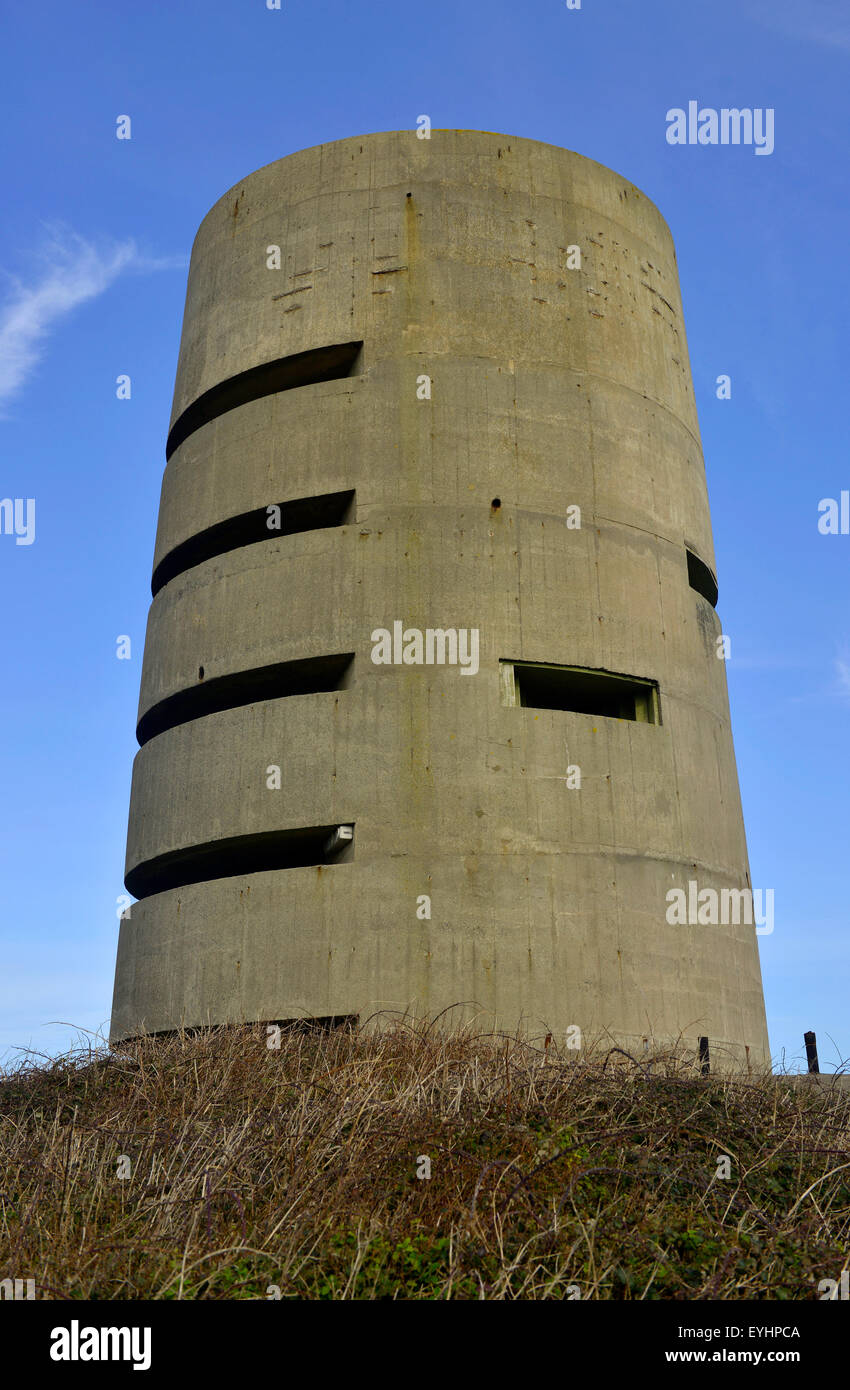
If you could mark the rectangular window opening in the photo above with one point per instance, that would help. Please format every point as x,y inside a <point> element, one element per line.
<point>580,691</point>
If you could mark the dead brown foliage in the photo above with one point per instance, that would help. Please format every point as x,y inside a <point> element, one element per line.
<point>553,1174</point>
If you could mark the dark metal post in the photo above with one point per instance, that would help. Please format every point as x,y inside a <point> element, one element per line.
<point>705,1064</point>
<point>811,1051</point>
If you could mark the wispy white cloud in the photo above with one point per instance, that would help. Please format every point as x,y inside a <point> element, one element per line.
<point>838,688</point>
<point>820,21</point>
<point>842,670</point>
<point>69,270</point>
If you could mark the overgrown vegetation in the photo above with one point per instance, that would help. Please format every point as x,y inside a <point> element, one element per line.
<point>553,1175</point>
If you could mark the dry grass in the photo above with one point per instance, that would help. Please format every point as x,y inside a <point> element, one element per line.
<point>297,1168</point>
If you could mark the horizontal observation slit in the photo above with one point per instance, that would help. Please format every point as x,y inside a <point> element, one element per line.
<point>701,578</point>
<point>284,374</point>
<point>308,1023</point>
<point>310,676</point>
<point>240,854</point>
<point>579,690</point>
<point>249,528</point>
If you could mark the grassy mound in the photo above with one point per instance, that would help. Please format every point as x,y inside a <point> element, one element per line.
<point>212,1166</point>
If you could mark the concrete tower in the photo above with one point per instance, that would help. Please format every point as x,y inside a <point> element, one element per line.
<point>431,709</point>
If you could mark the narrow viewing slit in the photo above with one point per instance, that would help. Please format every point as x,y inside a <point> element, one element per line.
<point>284,678</point>
<point>285,374</point>
<point>323,1023</point>
<point>327,1023</point>
<point>580,691</point>
<point>241,854</point>
<point>249,528</point>
<point>701,578</point>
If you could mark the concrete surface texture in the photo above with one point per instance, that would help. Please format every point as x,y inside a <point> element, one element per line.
<point>436,386</point>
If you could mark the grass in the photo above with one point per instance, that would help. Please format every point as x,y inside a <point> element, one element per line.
<point>252,1172</point>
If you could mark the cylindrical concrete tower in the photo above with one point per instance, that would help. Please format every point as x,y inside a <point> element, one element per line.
<point>431,711</point>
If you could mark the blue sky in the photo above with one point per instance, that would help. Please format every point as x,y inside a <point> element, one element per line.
<point>94,245</point>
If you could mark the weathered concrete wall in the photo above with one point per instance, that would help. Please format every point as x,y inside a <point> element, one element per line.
<point>551,387</point>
